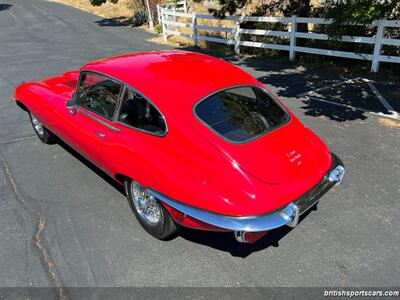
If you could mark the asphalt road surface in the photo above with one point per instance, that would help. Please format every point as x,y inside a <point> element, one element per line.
<point>63,222</point>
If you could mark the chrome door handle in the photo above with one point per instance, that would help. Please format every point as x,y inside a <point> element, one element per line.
<point>100,134</point>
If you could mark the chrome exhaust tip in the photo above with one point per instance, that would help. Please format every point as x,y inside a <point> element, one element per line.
<point>240,236</point>
<point>249,237</point>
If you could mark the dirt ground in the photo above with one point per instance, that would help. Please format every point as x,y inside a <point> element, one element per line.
<point>124,8</point>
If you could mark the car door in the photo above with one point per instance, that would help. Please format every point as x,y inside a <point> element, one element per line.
<point>138,148</point>
<point>96,99</point>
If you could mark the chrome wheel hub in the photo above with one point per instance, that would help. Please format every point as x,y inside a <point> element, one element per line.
<point>37,125</point>
<point>148,208</point>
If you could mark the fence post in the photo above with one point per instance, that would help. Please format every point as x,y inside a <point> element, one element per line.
<point>158,14</point>
<point>237,36</point>
<point>184,6</point>
<point>378,46</point>
<point>293,29</point>
<point>194,29</point>
<point>164,27</point>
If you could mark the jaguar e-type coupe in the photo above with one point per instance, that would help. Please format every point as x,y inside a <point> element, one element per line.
<point>196,141</point>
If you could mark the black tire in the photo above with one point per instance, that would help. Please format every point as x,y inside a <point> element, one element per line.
<point>165,229</point>
<point>43,133</point>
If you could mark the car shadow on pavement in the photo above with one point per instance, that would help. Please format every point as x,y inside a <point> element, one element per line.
<point>223,241</point>
<point>226,242</point>
<point>92,167</point>
<point>4,6</point>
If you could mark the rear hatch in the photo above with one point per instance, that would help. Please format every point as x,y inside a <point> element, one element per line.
<point>281,155</point>
<point>257,134</point>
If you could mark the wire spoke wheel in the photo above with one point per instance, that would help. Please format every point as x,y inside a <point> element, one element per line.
<point>37,125</point>
<point>149,211</point>
<point>148,208</point>
<point>41,131</point>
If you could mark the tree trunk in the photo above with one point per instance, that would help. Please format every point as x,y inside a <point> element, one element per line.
<point>149,12</point>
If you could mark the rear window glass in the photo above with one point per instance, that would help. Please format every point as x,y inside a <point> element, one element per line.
<point>241,114</point>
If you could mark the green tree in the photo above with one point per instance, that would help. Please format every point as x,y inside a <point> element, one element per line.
<point>301,8</point>
<point>357,12</point>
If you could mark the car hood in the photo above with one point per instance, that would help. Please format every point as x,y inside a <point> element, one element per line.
<point>279,156</point>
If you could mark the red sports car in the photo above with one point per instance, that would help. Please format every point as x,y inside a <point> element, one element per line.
<point>196,141</point>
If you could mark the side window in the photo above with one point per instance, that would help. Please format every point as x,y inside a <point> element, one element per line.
<point>98,94</point>
<point>139,113</point>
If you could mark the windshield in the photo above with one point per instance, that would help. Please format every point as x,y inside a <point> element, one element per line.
<point>241,114</point>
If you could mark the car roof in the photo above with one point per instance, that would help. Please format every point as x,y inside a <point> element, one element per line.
<point>172,79</point>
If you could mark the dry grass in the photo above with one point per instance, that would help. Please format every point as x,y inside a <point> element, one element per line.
<point>175,41</point>
<point>124,8</point>
<point>389,123</point>
<point>248,9</point>
<point>200,9</point>
<point>203,8</point>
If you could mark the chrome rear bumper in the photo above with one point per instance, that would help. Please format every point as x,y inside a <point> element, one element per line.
<point>289,215</point>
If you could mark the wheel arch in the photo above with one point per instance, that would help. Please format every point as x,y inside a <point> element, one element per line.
<point>120,178</point>
<point>21,105</point>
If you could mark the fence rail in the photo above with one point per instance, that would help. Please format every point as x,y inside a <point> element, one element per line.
<point>233,35</point>
<point>175,6</point>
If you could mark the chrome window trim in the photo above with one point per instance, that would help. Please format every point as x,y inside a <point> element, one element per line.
<point>109,77</point>
<point>95,118</point>
<point>135,128</point>
<point>239,86</point>
<point>118,107</point>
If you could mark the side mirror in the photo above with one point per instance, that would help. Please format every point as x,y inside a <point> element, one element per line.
<point>71,106</point>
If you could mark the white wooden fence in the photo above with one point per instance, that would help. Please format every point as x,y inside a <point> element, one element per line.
<point>172,5</point>
<point>171,20</point>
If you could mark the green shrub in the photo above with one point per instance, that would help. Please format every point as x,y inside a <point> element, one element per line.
<point>139,18</point>
<point>158,28</point>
